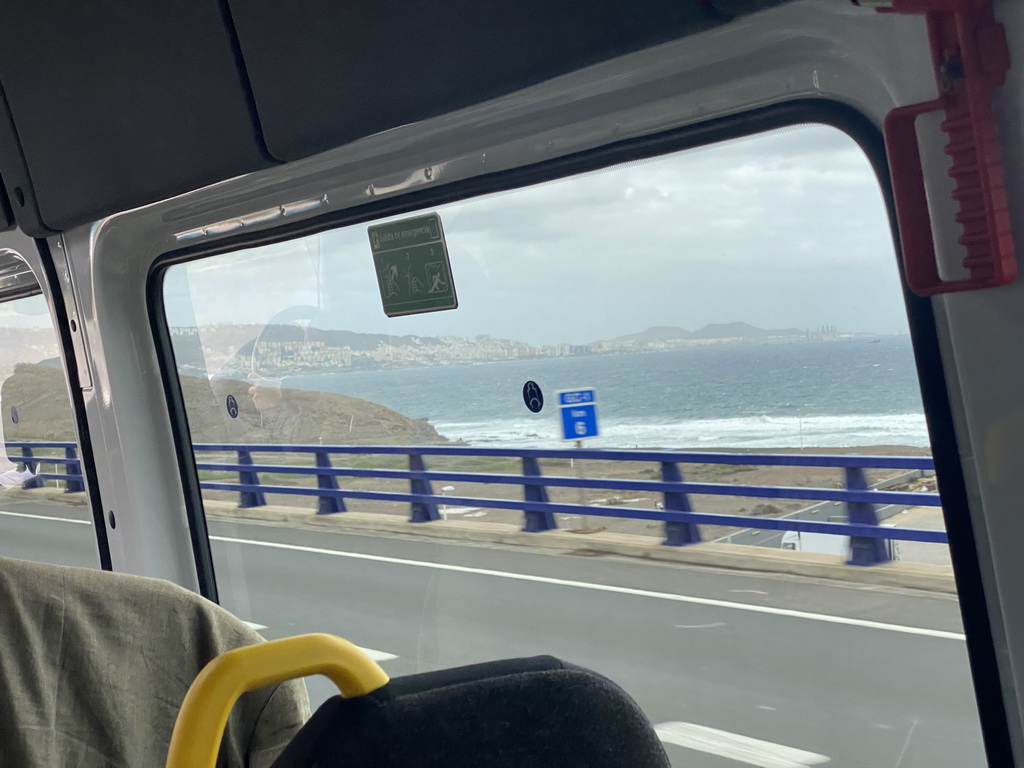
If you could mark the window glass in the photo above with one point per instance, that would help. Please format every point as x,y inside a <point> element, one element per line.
<point>44,510</point>
<point>706,313</point>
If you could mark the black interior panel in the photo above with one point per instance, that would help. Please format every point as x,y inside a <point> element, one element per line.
<point>107,105</point>
<point>324,73</point>
<point>733,8</point>
<point>116,104</point>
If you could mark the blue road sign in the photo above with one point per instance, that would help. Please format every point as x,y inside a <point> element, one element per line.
<point>576,397</point>
<point>578,411</point>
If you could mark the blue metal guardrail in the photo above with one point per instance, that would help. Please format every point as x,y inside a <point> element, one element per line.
<point>867,537</point>
<point>72,474</point>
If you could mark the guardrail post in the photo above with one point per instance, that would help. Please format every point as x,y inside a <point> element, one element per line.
<point>247,477</point>
<point>31,466</point>
<point>677,534</point>
<point>864,550</point>
<point>73,485</point>
<point>422,511</point>
<point>536,521</point>
<point>327,505</point>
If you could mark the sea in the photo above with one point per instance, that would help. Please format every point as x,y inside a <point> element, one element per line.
<point>837,393</point>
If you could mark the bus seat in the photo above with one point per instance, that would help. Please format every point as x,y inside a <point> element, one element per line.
<point>518,713</point>
<point>94,667</point>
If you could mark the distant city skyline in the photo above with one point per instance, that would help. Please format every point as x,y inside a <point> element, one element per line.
<point>706,331</point>
<point>238,351</point>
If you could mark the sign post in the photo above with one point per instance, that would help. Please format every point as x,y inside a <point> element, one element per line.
<point>577,413</point>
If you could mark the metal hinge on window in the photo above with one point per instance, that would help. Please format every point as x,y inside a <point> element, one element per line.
<point>970,57</point>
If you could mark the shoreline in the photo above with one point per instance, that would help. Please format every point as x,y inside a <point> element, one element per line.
<point>883,449</point>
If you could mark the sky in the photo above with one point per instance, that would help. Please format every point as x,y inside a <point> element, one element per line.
<point>785,229</point>
<point>30,312</point>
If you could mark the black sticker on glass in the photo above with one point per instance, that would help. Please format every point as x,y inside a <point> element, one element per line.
<point>14,414</point>
<point>532,396</point>
<point>232,407</point>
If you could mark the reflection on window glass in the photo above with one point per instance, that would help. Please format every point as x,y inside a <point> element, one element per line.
<point>704,313</point>
<point>44,511</point>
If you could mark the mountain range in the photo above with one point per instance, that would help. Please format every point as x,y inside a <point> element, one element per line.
<point>735,330</point>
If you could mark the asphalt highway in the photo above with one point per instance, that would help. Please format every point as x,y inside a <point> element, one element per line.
<point>735,669</point>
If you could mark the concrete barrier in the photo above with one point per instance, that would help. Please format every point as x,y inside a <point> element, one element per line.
<point>923,576</point>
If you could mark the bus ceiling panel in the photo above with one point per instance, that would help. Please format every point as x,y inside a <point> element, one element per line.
<point>108,106</point>
<point>7,220</point>
<point>111,105</point>
<point>325,73</point>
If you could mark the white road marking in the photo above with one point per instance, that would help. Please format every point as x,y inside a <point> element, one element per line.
<point>937,633</point>
<point>378,655</point>
<point>46,517</point>
<point>373,654</point>
<point>906,744</point>
<point>765,706</point>
<point>733,746</point>
<point>749,591</point>
<point>712,625</point>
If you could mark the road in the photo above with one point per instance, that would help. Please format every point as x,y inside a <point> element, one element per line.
<point>736,669</point>
<point>828,511</point>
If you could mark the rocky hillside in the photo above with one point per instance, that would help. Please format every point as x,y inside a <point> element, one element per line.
<point>38,395</point>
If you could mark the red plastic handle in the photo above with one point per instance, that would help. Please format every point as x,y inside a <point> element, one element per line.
<point>915,225</point>
<point>970,58</point>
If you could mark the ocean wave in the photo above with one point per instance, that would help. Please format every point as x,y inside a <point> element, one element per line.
<point>837,431</point>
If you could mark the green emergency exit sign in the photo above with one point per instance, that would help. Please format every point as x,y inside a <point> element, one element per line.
<point>413,271</point>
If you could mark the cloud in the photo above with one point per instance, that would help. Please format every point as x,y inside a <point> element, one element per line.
<point>783,229</point>
<point>29,312</point>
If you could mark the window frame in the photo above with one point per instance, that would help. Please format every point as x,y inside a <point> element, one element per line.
<point>37,256</point>
<point>920,313</point>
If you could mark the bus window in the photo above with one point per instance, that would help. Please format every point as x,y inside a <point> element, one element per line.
<point>729,316</point>
<point>44,510</point>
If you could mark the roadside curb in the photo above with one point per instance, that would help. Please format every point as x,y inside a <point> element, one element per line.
<point>49,494</point>
<point>923,576</point>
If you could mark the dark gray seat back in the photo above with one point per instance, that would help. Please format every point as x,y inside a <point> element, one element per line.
<point>520,713</point>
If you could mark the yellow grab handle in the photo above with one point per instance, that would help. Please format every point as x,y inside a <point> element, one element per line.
<point>204,713</point>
